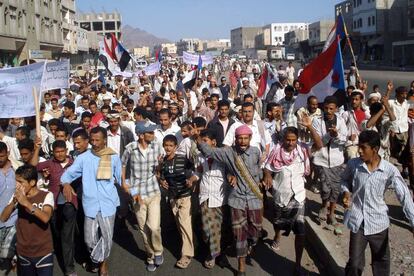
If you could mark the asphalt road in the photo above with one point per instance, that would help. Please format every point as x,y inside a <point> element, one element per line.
<point>127,257</point>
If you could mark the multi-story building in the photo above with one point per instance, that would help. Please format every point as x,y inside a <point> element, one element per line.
<point>278,31</point>
<point>263,40</point>
<point>345,8</point>
<point>378,24</point>
<point>140,52</point>
<point>403,50</point>
<point>297,42</point>
<point>69,27</point>
<point>217,44</point>
<point>29,30</point>
<point>244,38</point>
<point>169,48</point>
<point>296,36</point>
<point>190,45</point>
<point>101,23</point>
<point>318,33</point>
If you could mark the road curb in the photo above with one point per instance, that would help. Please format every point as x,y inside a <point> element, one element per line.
<point>325,250</point>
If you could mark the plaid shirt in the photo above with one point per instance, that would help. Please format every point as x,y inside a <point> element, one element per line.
<point>143,168</point>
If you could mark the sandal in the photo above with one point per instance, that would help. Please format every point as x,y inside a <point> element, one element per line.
<point>275,246</point>
<point>323,213</point>
<point>89,267</point>
<point>183,262</point>
<point>336,226</point>
<point>209,263</point>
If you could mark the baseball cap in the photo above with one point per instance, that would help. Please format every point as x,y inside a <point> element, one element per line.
<point>144,127</point>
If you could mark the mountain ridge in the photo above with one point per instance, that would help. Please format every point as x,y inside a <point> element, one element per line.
<point>135,37</point>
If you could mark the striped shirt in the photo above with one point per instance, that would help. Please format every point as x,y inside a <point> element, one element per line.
<point>143,167</point>
<point>175,172</point>
<point>368,207</point>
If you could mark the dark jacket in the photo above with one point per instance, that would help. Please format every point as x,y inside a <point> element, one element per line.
<point>126,137</point>
<point>217,127</point>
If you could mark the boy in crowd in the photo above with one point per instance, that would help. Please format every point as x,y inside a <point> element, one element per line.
<point>175,177</point>
<point>34,239</point>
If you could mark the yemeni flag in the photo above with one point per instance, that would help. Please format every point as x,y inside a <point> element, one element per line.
<point>325,74</point>
<point>267,78</point>
<point>116,51</point>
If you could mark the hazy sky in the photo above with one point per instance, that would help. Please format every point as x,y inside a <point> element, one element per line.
<point>209,19</point>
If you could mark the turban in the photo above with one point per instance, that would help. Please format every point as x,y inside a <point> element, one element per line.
<point>243,130</point>
<point>113,116</point>
<point>374,95</point>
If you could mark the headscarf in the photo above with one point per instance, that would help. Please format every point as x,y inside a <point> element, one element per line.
<point>279,158</point>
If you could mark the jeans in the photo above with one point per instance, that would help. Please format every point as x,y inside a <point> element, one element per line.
<point>380,252</point>
<point>38,266</point>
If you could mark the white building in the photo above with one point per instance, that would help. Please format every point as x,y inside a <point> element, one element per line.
<point>169,48</point>
<point>219,44</point>
<point>190,45</point>
<point>140,52</point>
<point>278,31</point>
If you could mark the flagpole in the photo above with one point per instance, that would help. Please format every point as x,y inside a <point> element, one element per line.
<point>348,40</point>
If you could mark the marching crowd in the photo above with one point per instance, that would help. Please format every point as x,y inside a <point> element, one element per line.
<point>154,144</point>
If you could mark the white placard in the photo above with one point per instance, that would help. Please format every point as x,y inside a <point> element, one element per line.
<point>16,85</point>
<point>150,70</point>
<point>56,75</point>
<point>193,59</point>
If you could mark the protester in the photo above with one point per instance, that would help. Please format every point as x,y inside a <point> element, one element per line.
<point>366,179</point>
<point>176,176</point>
<point>289,161</point>
<point>34,246</point>
<point>100,169</point>
<point>329,158</point>
<point>245,199</point>
<point>7,227</point>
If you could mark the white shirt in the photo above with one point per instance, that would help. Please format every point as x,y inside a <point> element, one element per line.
<point>174,130</point>
<point>257,139</point>
<point>289,182</point>
<point>114,140</point>
<point>279,95</point>
<point>213,184</point>
<point>335,155</point>
<point>401,114</point>
<point>290,71</point>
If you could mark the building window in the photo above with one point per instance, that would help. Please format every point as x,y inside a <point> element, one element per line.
<point>354,3</point>
<point>110,25</point>
<point>369,20</point>
<point>97,26</point>
<point>411,23</point>
<point>86,25</point>
<point>373,20</point>
<point>360,23</point>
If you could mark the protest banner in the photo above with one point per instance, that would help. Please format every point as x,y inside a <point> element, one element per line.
<point>193,59</point>
<point>16,86</point>
<point>56,75</point>
<point>150,70</point>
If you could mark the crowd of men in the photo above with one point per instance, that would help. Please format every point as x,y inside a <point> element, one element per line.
<point>154,145</point>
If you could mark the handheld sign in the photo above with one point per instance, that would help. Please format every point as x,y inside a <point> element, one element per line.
<point>16,84</point>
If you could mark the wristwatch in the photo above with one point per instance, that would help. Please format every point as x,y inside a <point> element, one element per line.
<point>33,210</point>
